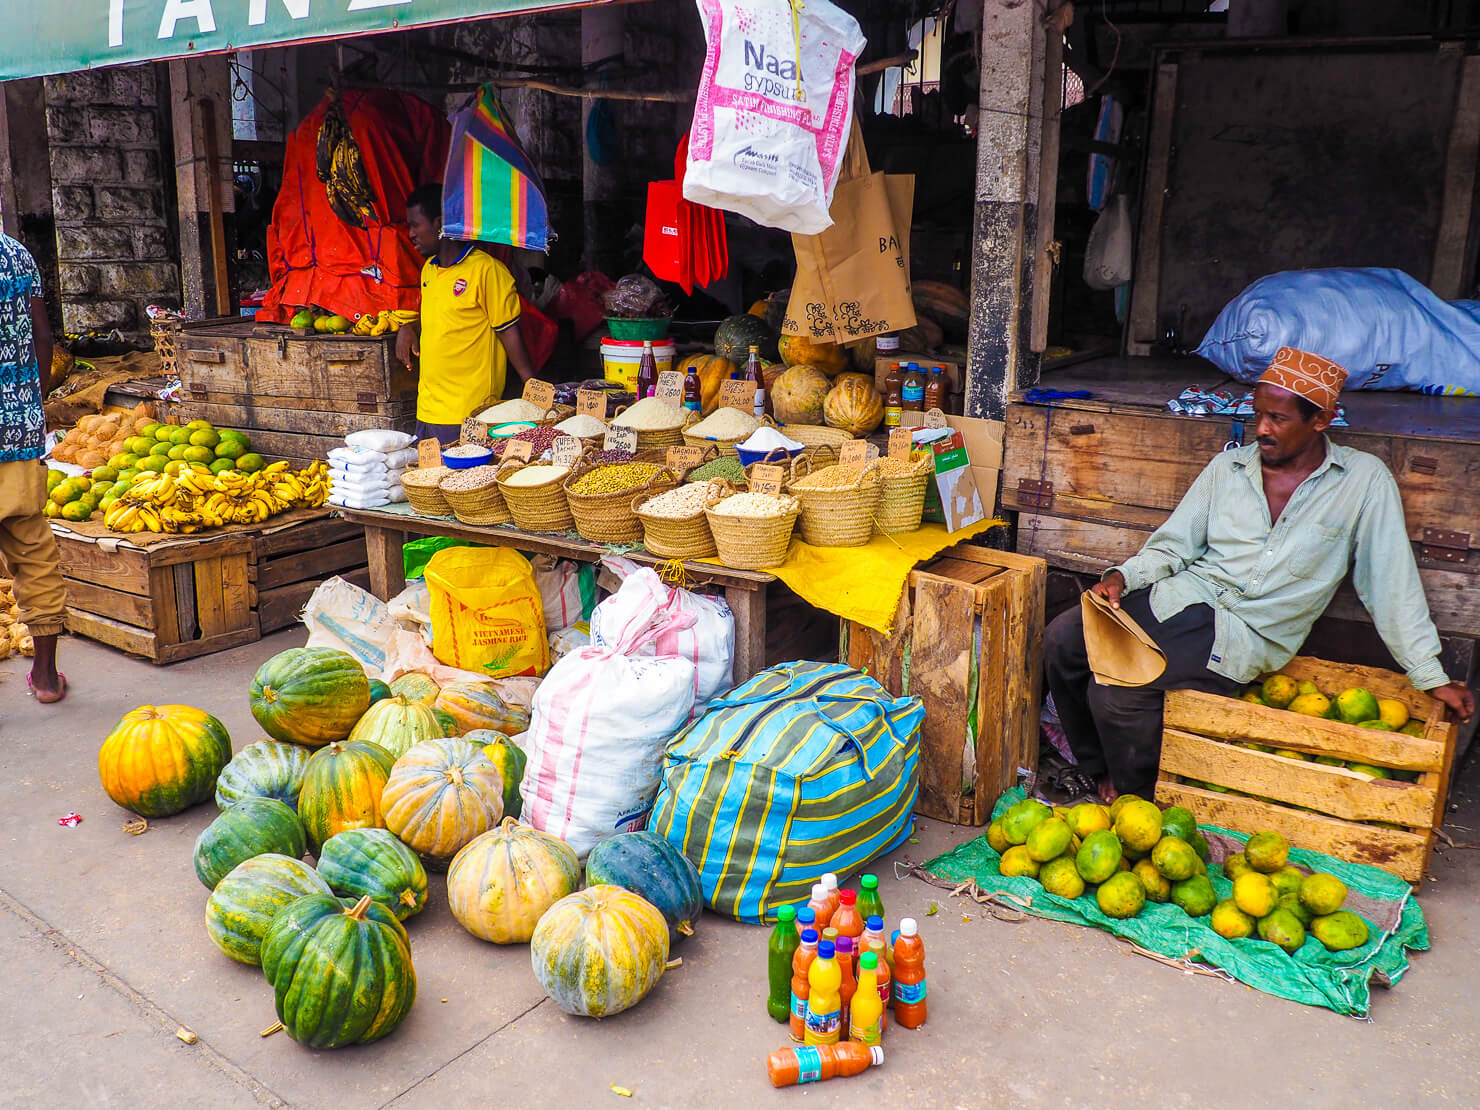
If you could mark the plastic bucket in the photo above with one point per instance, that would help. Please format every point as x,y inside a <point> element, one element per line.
<point>620,359</point>
<point>638,328</point>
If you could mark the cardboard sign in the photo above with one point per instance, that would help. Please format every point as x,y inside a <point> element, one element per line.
<point>900,442</point>
<point>670,387</point>
<point>936,419</point>
<point>736,394</point>
<point>540,394</point>
<point>428,453</point>
<point>857,453</point>
<point>475,431</point>
<point>766,479</point>
<point>621,439</point>
<point>592,402</point>
<point>684,458</point>
<point>518,449</point>
<point>960,504</point>
<point>565,450</point>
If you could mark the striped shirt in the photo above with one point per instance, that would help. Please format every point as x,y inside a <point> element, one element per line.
<point>22,422</point>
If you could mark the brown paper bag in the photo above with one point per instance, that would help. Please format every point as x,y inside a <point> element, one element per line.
<point>853,280</point>
<point>1120,652</point>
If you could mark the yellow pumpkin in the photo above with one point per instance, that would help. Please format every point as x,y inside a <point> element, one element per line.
<point>798,393</point>
<point>500,885</point>
<point>799,350</point>
<point>854,376</point>
<point>713,371</point>
<point>440,795</point>
<point>159,759</point>
<point>853,406</point>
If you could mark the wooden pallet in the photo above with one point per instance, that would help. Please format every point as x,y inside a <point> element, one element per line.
<point>928,655</point>
<point>288,566</point>
<point>1324,808</point>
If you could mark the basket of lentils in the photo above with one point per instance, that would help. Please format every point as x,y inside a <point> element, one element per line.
<point>673,522</point>
<point>752,531</point>
<point>474,496</point>
<point>600,497</point>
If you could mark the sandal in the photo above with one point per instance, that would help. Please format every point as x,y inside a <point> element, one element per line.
<point>1073,783</point>
<point>61,690</point>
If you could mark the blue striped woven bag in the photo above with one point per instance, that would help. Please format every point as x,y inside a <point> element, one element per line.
<point>807,768</point>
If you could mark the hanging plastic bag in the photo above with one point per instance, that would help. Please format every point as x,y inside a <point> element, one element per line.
<point>774,107</point>
<point>486,612</point>
<point>1108,257</point>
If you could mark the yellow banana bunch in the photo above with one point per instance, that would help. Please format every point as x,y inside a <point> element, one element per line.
<point>399,316</point>
<point>190,501</point>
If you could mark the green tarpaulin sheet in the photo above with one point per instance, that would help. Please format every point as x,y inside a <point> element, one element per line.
<point>1339,981</point>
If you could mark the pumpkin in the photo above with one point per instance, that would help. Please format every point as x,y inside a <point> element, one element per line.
<point>446,722</point>
<point>415,686</point>
<point>737,334</point>
<point>599,951</point>
<point>243,904</point>
<point>510,759</point>
<point>476,705</point>
<point>797,395</point>
<point>500,885</point>
<point>441,794</point>
<point>853,406</point>
<point>395,724</point>
<point>648,865</point>
<point>798,350</point>
<point>341,973</point>
<point>250,828</point>
<point>862,354</point>
<point>266,769</point>
<point>945,304</point>
<point>160,759</point>
<point>378,690</point>
<point>372,862</point>
<point>342,785</point>
<point>853,376</point>
<point>309,695</point>
<point>713,372</point>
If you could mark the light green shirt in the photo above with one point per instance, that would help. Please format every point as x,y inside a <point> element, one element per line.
<point>1267,585</point>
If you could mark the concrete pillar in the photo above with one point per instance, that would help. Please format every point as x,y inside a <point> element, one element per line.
<point>25,180</point>
<point>1006,220</point>
<point>200,90</point>
<point>601,48</point>
<point>1250,19</point>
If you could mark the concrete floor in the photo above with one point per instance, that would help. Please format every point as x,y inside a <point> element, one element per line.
<point>106,955</point>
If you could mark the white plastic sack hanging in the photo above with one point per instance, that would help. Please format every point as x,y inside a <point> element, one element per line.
<point>774,108</point>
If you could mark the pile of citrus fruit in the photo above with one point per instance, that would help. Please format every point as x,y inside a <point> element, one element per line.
<point>1354,706</point>
<point>1134,852</point>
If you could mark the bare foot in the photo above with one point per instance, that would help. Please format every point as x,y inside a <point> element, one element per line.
<point>47,689</point>
<point>1108,793</point>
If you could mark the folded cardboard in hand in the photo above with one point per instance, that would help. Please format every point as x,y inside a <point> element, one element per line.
<point>1120,652</point>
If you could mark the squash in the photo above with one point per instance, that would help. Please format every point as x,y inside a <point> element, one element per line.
<point>854,406</point>
<point>440,795</point>
<point>862,354</point>
<point>599,951</point>
<point>250,828</point>
<point>417,687</point>
<point>395,724</point>
<point>510,760</point>
<point>945,304</point>
<point>243,904</point>
<point>372,862</point>
<point>378,690</point>
<point>476,705</point>
<point>266,769</point>
<point>342,785</point>
<point>161,759</point>
<point>737,334</point>
<point>341,973</point>
<point>500,885</point>
<point>648,865</point>
<point>309,695</point>
<point>713,372</point>
<point>798,394</point>
<point>799,350</point>
<point>853,376</point>
<point>446,722</point>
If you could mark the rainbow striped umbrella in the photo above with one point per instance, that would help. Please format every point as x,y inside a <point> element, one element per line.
<point>492,192</point>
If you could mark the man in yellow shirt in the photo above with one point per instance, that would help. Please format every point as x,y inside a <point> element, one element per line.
<point>469,327</point>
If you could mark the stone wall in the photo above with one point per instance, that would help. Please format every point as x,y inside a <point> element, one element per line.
<point>115,249</point>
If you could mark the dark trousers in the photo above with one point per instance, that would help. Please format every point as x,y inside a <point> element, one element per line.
<point>1115,731</point>
<point>445,434</point>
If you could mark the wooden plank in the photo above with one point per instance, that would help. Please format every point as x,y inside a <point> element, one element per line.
<point>126,569</point>
<point>304,537</point>
<point>1088,547</point>
<point>163,605</point>
<point>386,562</point>
<point>279,608</point>
<point>1144,331</point>
<point>748,607</point>
<point>175,653</point>
<point>236,594</point>
<point>210,602</point>
<point>116,634</point>
<point>187,630</point>
<point>1452,245</point>
<point>317,421</point>
<point>190,549</point>
<point>1405,854</point>
<point>312,565</point>
<point>294,446</point>
<point>114,604</point>
<point>1334,791</point>
<point>941,645</point>
<point>326,367</point>
<point>880,656</point>
<point>996,747</point>
<point>366,402</point>
<point>1030,588</point>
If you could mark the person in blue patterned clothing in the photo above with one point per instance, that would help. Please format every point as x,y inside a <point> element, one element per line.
<point>27,546</point>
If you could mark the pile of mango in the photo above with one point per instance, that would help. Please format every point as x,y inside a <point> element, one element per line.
<point>1354,706</point>
<point>1133,852</point>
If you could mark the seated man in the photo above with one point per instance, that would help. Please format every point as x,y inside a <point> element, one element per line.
<point>1230,585</point>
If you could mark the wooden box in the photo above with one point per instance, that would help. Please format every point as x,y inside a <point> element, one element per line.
<point>1343,813</point>
<point>288,565</point>
<point>969,592</point>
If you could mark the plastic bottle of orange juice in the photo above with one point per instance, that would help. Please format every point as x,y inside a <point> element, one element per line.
<point>801,963</point>
<point>824,1002</point>
<point>790,1066</point>
<point>821,906</point>
<point>866,1016</point>
<point>847,920</point>
<point>909,976</point>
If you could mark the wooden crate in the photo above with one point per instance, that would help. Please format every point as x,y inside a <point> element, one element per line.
<point>928,655</point>
<point>288,565</point>
<point>1324,808</point>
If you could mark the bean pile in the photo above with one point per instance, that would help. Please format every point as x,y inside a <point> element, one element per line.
<point>756,505</point>
<point>425,476</point>
<point>541,438</point>
<point>900,468</point>
<point>677,504</point>
<point>729,467</point>
<point>474,477</point>
<point>465,451</point>
<point>614,479</point>
<point>651,414</point>
<point>836,477</point>
<point>603,458</point>
<point>726,423</point>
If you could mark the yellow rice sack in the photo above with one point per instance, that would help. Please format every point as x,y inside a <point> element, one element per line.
<point>486,612</point>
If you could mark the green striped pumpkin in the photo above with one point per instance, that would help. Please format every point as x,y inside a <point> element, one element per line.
<point>161,759</point>
<point>476,705</point>
<point>250,828</point>
<point>243,904</point>
<point>309,695</point>
<point>341,973</point>
<point>648,865</point>
<point>395,724</point>
<point>342,787</point>
<point>417,687</point>
<point>599,951</point>
<point>359,862</point>
<point>509,758</point>
<point>378,690</point>
<point>440,795</point>
<point>500,884</point>
<point>266,769</point>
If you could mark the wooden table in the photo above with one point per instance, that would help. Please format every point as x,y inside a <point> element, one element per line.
<point>745,590</point>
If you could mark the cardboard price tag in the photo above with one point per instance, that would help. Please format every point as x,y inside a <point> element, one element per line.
<point>670,387</point>
<point>936,419</point>
<point>518,449</point>
<point>475,431</point>
<point>621,439</point>
<point>565,450</point>
<point>736,394</point>
<point>592,402</point>
<point>540,394</point>
<point>428,453</point>
<point>900,442</point>
<point>684,458</point>
<point>766,479</point>
<point>857,453</point>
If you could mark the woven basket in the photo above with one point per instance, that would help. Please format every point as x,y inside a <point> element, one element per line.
<point>751,542</point>
<point>609,517</point>
<point>484,505</point>
<point>684,538</point>
<point>425,496</point>
<point>815,435</point>
<point>555,415</point>
<point>659,439</point>
<point>838,517</point>
<point>724,446</point>
<point>902,502</point>
<point>164,331</point>
<point>540,508</point>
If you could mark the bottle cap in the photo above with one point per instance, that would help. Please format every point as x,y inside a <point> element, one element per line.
<point>869,882</point>
<point>869,961</point>
<point>826,951</point>
<point>829,933</point>
<point>830,881</point>
<point>877,1053</point>
<point>785,914</point>
<point>844,944</point>
<point>875,923</point>
<point>848,897</point>
<point>908,928</point>
<point>819,891</point>
<point>806,915</point>
<point>809,936</point>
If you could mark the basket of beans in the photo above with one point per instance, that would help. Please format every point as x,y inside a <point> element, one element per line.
<point>902,503</point>
<point>534,496</point>
<point>673,521</point>
<point>422,485</point>
<point>838,503</point>
<point>475,497</point>
<point>658,424</point>
<point>752,531</point>
<point>600,497</point>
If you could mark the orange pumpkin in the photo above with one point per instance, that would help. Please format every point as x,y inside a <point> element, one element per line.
<point>854,406</point>
<point>799,350</point>
<point>159,759</point>
<point>798,394</point>
<point>713,371</point>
